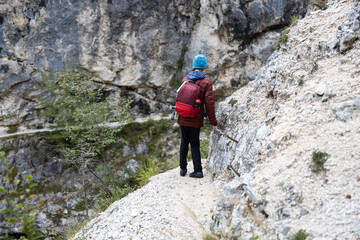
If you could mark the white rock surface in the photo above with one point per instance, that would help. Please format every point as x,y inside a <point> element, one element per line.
<point>168,207</point>
<point>320,114</point>
<point>320,89</point>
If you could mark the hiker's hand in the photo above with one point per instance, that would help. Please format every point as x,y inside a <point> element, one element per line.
<point>212,126</point>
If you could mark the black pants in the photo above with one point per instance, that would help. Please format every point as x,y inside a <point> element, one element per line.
<point>190,135</point>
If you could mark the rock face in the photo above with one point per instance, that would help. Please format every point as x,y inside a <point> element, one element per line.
<point>135,48</point>
<point>58,184</point>
<point>304,100</point>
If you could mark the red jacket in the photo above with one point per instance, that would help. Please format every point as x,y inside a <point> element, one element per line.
<point>207,99</point>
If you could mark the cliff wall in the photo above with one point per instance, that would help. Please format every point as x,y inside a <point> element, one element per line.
<point>137,49</point>
<point>305,100</point>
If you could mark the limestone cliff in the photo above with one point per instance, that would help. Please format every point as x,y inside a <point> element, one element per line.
<point>305,100</point>
<point>139,49</point>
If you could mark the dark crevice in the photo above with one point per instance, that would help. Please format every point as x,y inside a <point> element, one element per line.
<point>4,68</point>
<point>249,39</point>
<point>13,236</point>
<point>42,3</point>
<point>12,87</point>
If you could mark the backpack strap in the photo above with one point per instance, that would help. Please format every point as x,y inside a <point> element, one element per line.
<point>182,85</point>
<point>187,80</point>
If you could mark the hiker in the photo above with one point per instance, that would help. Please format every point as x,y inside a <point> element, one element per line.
<point>190,127</point>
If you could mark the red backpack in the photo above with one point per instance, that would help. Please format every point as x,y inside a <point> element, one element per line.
<point>188,98</point>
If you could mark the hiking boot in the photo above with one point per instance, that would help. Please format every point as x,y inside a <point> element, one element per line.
<point>183,172</point>
<point>196,175</point>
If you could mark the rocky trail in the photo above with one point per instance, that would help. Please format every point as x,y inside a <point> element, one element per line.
<point>24,131</point>
<point>168,207</point>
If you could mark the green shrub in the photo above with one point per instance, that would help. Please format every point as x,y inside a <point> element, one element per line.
<point>300,235</point>
<point>233,101</point>
<point>13,128</point>
<point>301,82</point>
<point>18,199</point>
<point>83,109</point>
<point>318,161</point>
<point>29,228</point>
<point>282,39</point>
<point>150,169</point>
<point>204,148</point>
<point>293,20</point>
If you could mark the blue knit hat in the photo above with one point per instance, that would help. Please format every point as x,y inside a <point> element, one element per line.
<point>199,62</point>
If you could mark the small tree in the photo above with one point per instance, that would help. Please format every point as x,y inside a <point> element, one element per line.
<point>89,118</point>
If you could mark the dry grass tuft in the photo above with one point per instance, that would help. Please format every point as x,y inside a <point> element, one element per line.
<point>193,216</point>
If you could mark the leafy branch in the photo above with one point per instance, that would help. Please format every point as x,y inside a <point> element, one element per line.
<point>17,196</point>
<point>86,112</point>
